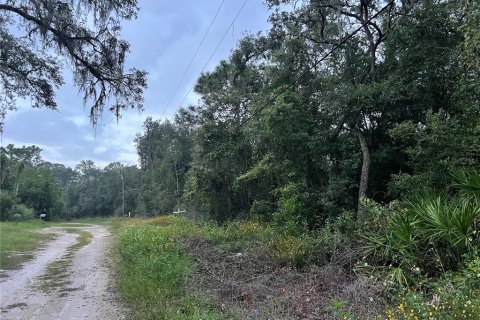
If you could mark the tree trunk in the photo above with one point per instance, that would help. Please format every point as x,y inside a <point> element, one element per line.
<point>362,190</point>
<point>20,168</point>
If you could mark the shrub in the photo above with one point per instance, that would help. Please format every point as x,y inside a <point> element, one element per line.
<point>455,296</point>
<point>24,211</point>
<point>428,235</point>
<point>287,249</point>
<point>292,211</point>
<point>262,209</point>
<point>7,201</point>
<point>334,242</point>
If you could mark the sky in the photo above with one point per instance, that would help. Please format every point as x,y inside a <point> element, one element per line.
<point>163,39</point>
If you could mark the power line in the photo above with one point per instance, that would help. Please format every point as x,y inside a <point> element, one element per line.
<point>269,102</point>
<point>130,188</point>
<point>314,65</point>
<point>193,58</point>
<point>214,51</point>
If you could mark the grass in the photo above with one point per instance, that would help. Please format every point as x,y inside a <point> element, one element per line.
<point>110,222</point>
<point>18,240</point>
<point>154,269</point>
<point>170,268</point>
<point>83,239</point>
<point>56,275</point>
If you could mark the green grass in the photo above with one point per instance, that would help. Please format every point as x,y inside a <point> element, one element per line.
<point>154,269</point>
<point>158,263</point>
<point>18,240</point>
<point>109,222</point>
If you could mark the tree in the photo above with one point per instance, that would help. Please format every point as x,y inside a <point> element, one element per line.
<point>15,159</point>
<point>63,174</point>
<point>83,34</point>
<point>165,151</point>
<point>40,191</point>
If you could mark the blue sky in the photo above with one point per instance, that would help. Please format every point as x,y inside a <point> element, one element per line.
<point>163,39</point>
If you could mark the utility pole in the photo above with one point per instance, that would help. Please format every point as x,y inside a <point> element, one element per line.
<point>123,194</point>
<point>66,201</point>
<point>178,191</point>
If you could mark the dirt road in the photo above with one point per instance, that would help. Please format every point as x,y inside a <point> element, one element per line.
<point>64,281</point>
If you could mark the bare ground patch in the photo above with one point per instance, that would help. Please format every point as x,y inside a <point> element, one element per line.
<point>249,285</point>
<point>79,280</point>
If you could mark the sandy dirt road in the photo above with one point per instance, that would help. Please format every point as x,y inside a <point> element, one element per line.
<point>84,291</point>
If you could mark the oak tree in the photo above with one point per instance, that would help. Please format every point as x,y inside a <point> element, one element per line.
<point>39,37</point>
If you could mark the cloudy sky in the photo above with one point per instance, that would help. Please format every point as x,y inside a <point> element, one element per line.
<point>163,40</point>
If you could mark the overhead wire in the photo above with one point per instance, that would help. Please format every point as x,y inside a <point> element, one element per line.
<point>214,51</point>
<point>133,189</point>
<point>193,58</point>
<point>303,74</point>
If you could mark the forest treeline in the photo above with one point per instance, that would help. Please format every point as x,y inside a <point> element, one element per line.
<point>345,136</point>
<point>31,186</point>
<point>366,162</point>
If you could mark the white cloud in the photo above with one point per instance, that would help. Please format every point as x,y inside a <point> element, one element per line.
<point>100,149</point>
<point>79,120</point>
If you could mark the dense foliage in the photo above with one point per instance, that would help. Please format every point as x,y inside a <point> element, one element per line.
<point>367,160</point>
<point>371,156</point>
<point>390,112</point>
<point>30,187</point>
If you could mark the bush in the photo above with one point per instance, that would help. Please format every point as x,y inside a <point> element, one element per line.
<point>292,211</point>
<point>428,235</point>
<point>7,201</point>
<point>262,209</point>
<point>455,296</point>
<point>287,249</point>
<point>335,241</point>
<point>22,210</point>
<point>9,208</point>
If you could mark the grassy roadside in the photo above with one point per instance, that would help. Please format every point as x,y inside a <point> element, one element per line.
<point>170,268</point>
<point>18,241</point>
<point>154,269</point>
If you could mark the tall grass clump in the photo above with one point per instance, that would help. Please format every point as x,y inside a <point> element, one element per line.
<point>154,269</point>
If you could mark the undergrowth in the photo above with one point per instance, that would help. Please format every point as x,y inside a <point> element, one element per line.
<point>414,259</point>
<point>425,252</point>
<point>154,269</point>
<point>171,268</point>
